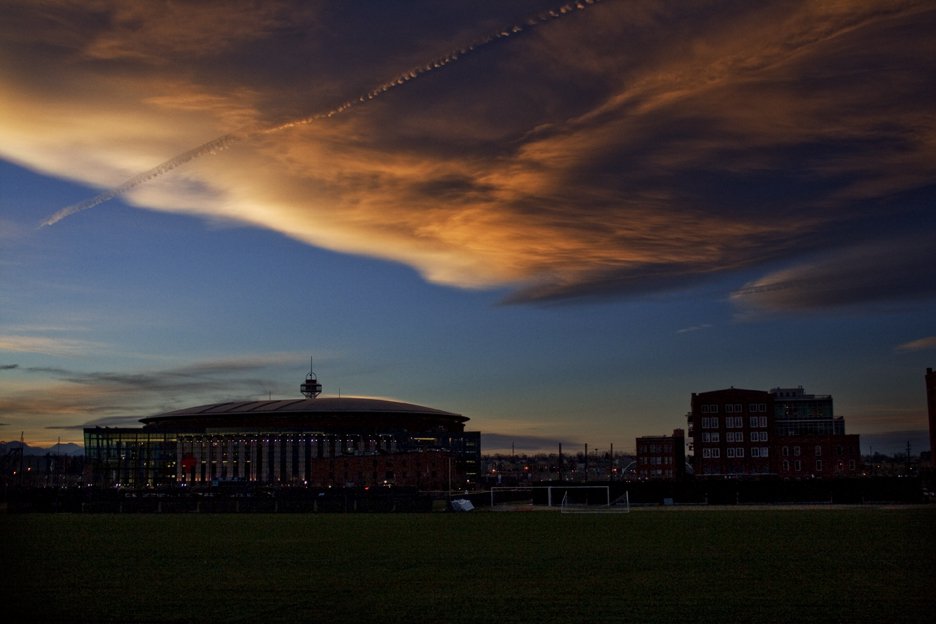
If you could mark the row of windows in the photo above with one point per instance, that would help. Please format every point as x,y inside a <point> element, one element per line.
<point>714,437</point>
<point>735,452</point>
<point>734,422</point>
<point>817,451</point>
<point>652,449</point>
<point>735,408</point>
<point>798,465</point>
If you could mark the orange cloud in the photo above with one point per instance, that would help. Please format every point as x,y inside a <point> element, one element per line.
<point>618,150</point>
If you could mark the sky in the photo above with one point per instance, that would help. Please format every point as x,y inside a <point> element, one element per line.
<point>559,220</point>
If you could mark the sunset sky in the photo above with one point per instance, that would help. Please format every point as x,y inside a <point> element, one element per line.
<point>557,220</point>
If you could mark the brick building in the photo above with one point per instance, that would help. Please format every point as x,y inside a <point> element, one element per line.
<point>785,432</point>
<point>662,457</point>
<point>731,432</point>
<point>819,456</point>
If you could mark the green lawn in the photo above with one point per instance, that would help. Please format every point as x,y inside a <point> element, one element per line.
<point>851,565</point>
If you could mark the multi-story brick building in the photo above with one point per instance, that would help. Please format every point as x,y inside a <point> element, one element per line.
<point>662,457</point>
<point>820,456</point>
<point>783,432</point>
<point>731,432</point>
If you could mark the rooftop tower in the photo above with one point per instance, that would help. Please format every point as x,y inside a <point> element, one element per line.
<point>311,388</point>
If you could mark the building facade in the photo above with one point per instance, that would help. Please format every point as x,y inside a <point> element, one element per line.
<point>312,442</point>
<point>784,432</point>
<point>799,414</point>
<point>817,456</point>
<point>931,409</point>
<point>731,432</point>
<point>662,457</point>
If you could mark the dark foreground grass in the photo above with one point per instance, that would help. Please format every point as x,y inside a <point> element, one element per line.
<point>852,565</point>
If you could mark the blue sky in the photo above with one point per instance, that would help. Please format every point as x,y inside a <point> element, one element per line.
<point>560,231</point>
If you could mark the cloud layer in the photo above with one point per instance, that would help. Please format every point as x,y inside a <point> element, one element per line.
<point>69,399</point>
<point>629,148</point>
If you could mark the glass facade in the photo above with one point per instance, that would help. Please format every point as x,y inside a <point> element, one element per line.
<point>131,457</point>
<point>137,458</point>
<point>799,414</point>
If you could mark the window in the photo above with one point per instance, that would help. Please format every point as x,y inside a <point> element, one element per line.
<point>716,453</point>
<point>796,451</point>
<point>755,452</point>
<point>753,420</point>
<point>762,421</point>
<point>851,464</point>
<point>818,465</point>
<point>709,409</point>
<point>797,465</point>
<point>706,453</point>
<point>734,422</point>
<point>765,451</point>
<point>711,437</point>
<point>818,451</point>
<point>730,453</point>
<point>786,451</point>
<point>786,465</point>
<point>710,422</point>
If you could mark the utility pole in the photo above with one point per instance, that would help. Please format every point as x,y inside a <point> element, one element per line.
<point>560,461</point>
<point>908,458</point>
<point>611,465</point>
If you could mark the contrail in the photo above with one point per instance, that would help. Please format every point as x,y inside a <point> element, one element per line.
<point>223,142</point>
<point>210,147</point>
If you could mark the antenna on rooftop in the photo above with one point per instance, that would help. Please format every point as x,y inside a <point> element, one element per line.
<point>311,388</point>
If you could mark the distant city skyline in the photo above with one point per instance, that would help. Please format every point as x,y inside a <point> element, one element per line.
<point>559,220</point>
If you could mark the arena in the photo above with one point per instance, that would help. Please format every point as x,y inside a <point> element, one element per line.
<point>310,442</point>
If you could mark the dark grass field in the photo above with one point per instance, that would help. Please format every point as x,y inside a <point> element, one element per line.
<point>735,565</point>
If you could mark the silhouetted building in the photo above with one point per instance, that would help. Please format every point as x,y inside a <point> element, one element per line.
<point>786,432</point>
<point>315,442</point>
<point>731,432</point>
<point>799,414</point>
<point>931,407</point>
<point>662,457</point>
<point>819,456</point>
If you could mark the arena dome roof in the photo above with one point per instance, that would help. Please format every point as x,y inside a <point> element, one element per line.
<point>342,413</point>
